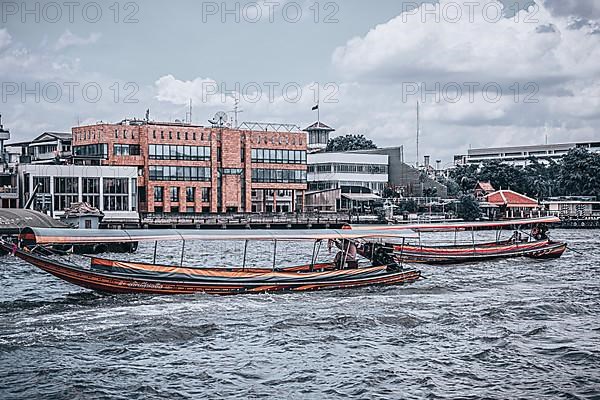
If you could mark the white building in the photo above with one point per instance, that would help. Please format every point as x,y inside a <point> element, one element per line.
<point>47,148</point>
<point>113,190</point>
<point>9,194</point>
<point>336,170</point>
<point>318,136</point>
<point>576,207</point>
<point>519,155</point>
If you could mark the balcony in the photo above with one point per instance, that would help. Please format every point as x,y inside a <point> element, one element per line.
<point>9,192</point>
<point>51,156</point>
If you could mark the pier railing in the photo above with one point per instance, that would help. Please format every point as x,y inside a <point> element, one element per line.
<point>248,220</point>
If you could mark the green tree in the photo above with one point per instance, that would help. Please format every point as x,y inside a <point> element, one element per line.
<point>430,192</point>
<point>466,176</point>
<point>580,173</point>
<point>540,179</point>
<point>408,205</point>
<point>350,142</point>
<point>453,187</point>
<point>577,173</point>
<point>503,176</point>
<point>389,193</point>
<point>468,208</point>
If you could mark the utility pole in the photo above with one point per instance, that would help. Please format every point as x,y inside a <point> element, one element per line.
<point>188,115</point>
<point>417,134</point>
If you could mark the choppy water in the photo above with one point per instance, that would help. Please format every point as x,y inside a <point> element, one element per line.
<point>502,329</point>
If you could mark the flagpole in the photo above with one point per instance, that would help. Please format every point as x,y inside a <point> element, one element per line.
<point>318,111</point>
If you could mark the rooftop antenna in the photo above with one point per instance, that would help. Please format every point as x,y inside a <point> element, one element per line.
<point>417,134</point>
<point>236,110</point>
<point>546,132</point>
<point>188,115</point>
<point>219,119</point>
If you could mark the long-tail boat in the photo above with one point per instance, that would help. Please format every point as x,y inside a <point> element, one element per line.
<point>135,277</point>
<point>535,244</point>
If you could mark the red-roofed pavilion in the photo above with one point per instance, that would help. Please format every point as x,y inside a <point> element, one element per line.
<point>514,204</point>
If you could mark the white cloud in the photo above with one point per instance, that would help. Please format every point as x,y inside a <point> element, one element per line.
<point>558,53</point>
<point>179,92</point>
<point>279,103</point>
<point>472,48</point>
<point>68,39</point>
<point>5,39</point>
<point>539,47</point>
<point>581,8</point>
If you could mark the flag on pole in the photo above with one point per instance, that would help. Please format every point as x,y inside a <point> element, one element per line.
<point>315,107</point>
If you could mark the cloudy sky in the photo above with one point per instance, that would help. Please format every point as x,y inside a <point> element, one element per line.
<point>485,73</point>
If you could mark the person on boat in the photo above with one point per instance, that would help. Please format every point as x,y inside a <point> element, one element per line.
<point>516,237</point>
<point>347,254</point>
<point>539,232</point>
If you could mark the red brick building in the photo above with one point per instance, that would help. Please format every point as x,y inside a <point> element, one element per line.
<point>191,168</point>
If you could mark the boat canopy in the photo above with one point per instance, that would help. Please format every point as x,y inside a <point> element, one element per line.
<point>93,236</point>
<point>436,226</point>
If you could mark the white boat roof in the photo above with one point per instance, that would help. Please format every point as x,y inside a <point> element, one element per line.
<point>91,236</point>
<point>437,226</point>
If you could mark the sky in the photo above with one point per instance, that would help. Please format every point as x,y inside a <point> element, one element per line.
<point>486,73</point>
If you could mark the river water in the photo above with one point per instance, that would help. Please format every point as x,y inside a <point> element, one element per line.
<point>501,329</point>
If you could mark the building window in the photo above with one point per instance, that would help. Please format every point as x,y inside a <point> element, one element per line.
<point>179,173</point>
<point>116,194</point>
<point>278,156</point>
<point>190,194</point>
<point>232,171</point>
<point>91,191</point>
<point>43,200</point>
<point>205,195</point>
<point>357,168</point>
<point>153,134</point>
<point>44,182</point>
<point>174,194</point>
<point>46,149</point>
<point>174,152</point>
<point>260,175</point>
<point>324,168</point>
<point>134,194</point>
<point>126,150</point>
<point>99,150</point>
<point>158,194</point>
<point>66,191</point>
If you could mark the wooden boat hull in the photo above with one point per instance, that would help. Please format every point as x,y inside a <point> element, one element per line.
<point>129,278</point>
<point>542,249</point>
